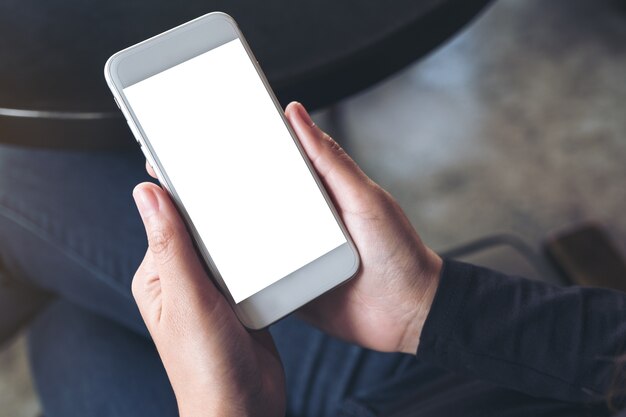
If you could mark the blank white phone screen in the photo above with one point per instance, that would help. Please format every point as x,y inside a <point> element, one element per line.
<point>235,167</point>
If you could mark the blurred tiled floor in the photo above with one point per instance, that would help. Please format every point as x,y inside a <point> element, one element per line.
<point>518,125</point>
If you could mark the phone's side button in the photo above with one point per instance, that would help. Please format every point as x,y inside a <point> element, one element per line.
<point>148,157</point>
<point>118,104</point>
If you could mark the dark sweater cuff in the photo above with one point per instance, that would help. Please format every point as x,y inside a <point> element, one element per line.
<point>449,300</point>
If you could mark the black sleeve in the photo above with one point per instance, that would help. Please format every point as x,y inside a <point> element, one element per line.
<point>546,341</point>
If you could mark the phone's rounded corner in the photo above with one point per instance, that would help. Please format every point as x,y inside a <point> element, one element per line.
<point>254,328</point>
<point>110,69</point>
<point>356,261</point>
<point>222,15</point>
<point>247,323</point>
<point>356,267</point>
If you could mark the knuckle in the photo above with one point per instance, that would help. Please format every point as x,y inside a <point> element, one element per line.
<point>135,286</point>
<point>138,282</point>
<point>383,198</point>
<point>376,203</point>
<point>161,240</point>
<point>329,140</point>
<point>335,146</point>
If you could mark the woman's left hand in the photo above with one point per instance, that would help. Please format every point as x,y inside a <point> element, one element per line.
<point>216,367</point>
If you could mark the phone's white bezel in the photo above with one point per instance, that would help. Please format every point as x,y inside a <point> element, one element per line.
<point>173,47</point>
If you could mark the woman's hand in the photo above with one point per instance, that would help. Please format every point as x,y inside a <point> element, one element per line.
<point>384,307</point>
<point>216,367</point>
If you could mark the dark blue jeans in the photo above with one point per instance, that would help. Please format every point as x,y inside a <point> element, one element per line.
<point>68,227</point>
<point>70,242</point>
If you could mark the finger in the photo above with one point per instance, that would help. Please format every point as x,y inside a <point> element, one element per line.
<point>180,272</point>
<point>150,170</point>
<point>335,167</point>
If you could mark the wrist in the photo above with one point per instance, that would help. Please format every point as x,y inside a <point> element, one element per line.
<point>236,403</point>
<point>429,277</point>
<point>210,407</point>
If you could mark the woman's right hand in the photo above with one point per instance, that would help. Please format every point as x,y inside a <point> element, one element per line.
<point>385,306</point>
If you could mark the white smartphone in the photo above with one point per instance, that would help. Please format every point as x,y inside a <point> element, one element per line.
<point>210,126</point>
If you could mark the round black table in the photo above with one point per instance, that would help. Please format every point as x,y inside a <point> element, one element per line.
<point>52,53</point>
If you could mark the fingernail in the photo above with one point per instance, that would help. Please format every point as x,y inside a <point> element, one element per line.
<point>146,201</point>
<point>304,115</point>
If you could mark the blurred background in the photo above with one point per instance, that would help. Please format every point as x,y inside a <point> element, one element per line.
<point>515,125</point>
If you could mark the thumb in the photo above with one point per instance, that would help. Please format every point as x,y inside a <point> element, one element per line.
<point>172,257</point>
<point>337,170</point>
